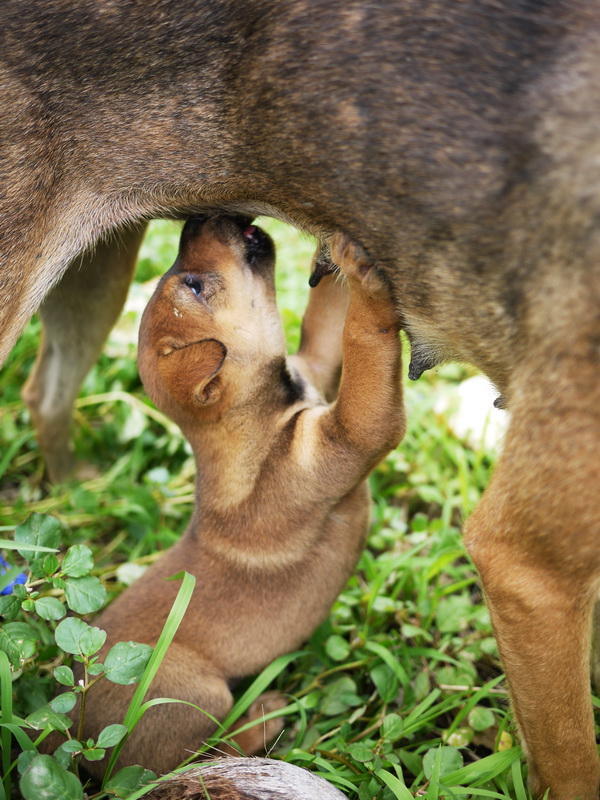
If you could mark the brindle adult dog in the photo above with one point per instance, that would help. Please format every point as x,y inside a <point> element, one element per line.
<point>459,143</point>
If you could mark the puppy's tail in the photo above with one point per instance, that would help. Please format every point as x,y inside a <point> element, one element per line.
<point>245,779</point>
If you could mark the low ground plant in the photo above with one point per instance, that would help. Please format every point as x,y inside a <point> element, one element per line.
<point>399,693</point>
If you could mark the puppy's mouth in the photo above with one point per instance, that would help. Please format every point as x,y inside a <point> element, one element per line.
<point>258,243</point>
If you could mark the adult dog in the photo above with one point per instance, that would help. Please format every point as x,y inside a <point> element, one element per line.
<point>459,143</point>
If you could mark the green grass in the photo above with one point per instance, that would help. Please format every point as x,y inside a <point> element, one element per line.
<point>400,690</point>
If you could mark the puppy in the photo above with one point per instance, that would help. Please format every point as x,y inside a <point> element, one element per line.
<point>282,503</point>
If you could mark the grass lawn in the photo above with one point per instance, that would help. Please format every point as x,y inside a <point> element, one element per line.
<point>399,692</point>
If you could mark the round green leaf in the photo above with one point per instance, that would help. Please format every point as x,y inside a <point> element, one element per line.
<point>24,760</point>
<point>339,696</point>
<point>49,608</point>
<point>360,752</point>
<point>45,779</point>
<point>481,718</point>
<point>128,780</point>
<point>77,637</point>
<point>126,662</point>
<point>385,682</point>
<point>96,669</point>
<point>40,530</point>
<point>9,606</point>
<point>18,640</point>
<point>392,727</point>
<point>72,746</point>
<point>63,703</point>
<point>78,562</point>
<point>65,676</point>
<point>85,595</point>
<point>50,564</point>
<point>450,759</point>
<point>46,717</point>
<point>337,648</point>
<point>111,735</point>
<point>94,754</point>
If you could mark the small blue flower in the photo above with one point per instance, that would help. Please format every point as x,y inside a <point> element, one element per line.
<point>21,577</point>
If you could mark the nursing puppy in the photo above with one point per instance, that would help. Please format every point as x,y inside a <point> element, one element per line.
<point>282,505</point>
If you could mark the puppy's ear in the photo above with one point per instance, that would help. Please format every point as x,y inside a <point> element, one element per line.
<point>188,377</point>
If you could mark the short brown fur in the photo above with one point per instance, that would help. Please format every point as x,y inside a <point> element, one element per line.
<point>281,501</point>
<point>457,142</point>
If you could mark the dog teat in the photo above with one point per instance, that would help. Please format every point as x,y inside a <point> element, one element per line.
<point>422,358</point>
<point>323,265</point>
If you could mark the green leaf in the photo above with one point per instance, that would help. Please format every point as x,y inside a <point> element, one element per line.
<point>78,562</point>
<point>385,682</point>
<point>50,564</point>
<point>126,661</point>
<point>481,718</point>
<point>392,727</point>
<point>24,760</point>
<point>396,785</point>
<point>20,591</point>
<point>39,530</point>
<point>49,608</point>
<point>94,754</point>
<point>45,779</point>
<point>453,613</point>
<point>65,676</point>
<point>339,696</point>
<point>96,669</point>
<point>77,637</point>
<point>63,703</point>
<point>360,752</point>
<point>450,759</point>
<point>18,640</point>
<point>9,606</point>
<point>72,746</point>
<point>85,595</point>
<point>128,780</point>
<point>111,735</point>
<point>337,648</point>
<point>46,717</point>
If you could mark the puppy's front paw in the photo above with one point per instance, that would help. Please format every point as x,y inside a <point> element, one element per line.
<point>350,257</point>
<point>356,265</point>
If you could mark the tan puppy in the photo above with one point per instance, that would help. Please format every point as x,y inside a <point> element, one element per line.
<point>282,503</point>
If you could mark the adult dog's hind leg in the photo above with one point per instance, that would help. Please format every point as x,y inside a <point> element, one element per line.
<point>535,540</point>
<point>77,316</point>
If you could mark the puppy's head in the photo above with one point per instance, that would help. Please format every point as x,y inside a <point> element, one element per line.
<point>212,323</point>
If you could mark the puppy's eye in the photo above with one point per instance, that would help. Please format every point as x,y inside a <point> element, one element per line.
<point>194,284</point>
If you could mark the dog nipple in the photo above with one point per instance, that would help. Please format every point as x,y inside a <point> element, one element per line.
<point>422,359</point>
<point>323,266</point>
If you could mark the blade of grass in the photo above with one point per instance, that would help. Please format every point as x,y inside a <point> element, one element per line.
<point>5,718</point>
<point>13,450</point>
<point>485,769</point>
<point>8,544</point>
<point>258,686</point>
<point>393,783</point>
<point>521,792</point>
<point>166,637</point>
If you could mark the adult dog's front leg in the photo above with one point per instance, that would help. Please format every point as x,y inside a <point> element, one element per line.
<point>534,539</point>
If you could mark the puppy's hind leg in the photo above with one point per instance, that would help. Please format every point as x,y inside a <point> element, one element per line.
<point>319,356</point>
<point>77,316</point>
